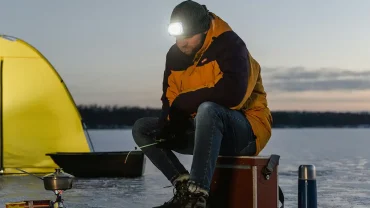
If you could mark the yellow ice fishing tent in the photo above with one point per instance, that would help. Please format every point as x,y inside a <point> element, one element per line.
<point>37,113</point>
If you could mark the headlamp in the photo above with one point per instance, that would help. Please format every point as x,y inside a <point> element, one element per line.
<point>175,29</point>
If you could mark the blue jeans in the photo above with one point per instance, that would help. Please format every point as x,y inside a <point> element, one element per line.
<point>218,131</point>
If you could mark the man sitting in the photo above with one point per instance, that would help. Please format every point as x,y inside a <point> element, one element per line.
<point>214,103</point>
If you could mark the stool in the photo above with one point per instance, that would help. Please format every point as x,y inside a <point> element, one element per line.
<point>246,182</point>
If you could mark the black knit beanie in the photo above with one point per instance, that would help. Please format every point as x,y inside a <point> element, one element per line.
<point>195,18</point>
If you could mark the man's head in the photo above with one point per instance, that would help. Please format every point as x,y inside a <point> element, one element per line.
<point>189,23</point>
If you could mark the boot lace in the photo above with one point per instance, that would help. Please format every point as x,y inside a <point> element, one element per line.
<point>180,195</point>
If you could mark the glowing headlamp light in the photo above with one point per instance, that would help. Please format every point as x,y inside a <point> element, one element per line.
<point>175,29</point>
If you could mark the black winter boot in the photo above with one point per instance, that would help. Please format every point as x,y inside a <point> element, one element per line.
<point>196,200</point>
<point>184,198</point>
<point>180,196</point>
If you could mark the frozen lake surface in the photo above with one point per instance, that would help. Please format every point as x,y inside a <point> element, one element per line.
<point>341,157</point>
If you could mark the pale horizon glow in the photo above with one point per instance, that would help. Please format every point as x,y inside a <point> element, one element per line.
<point>314,55</point>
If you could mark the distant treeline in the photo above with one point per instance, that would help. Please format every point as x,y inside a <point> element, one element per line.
<point>113,117</point>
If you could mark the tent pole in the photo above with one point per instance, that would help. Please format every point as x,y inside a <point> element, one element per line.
<point>1,118</point>
<point>88,136</point>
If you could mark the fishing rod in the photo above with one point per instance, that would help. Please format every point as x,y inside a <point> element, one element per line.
<point>147,145</point>
<point>144,146</point>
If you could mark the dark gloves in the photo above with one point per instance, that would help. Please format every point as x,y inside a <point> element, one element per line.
<point>179,117</point>
<point>171,135</point>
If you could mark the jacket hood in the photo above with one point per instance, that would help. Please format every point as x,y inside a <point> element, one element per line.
<point>217,27</point>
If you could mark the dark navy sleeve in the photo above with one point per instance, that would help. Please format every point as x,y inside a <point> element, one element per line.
<point>230,90</point>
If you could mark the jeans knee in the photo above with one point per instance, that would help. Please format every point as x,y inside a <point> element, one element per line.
<point>207,108</point>
<point>140,128</point>
<point>208,112</point>
<point>137,128</point>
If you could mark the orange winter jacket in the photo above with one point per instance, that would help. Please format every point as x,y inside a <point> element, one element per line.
<point>223,71</point>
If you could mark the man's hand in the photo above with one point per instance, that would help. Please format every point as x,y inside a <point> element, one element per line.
<point>162,132</point>
<point>170,136</point>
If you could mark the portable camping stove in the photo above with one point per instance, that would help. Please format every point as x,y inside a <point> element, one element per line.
<point>57,182</point>
<point>58,203</point>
